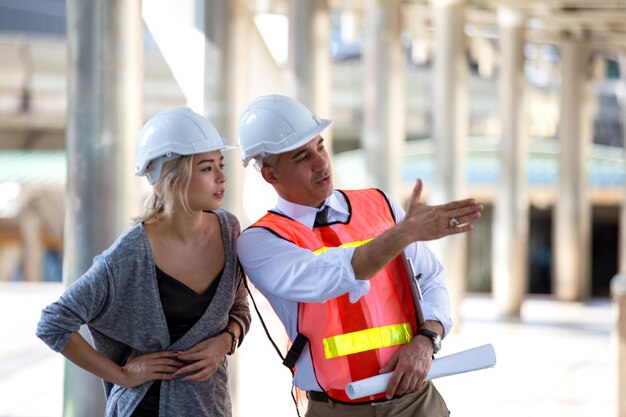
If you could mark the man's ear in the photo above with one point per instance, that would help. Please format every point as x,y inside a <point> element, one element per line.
<point>269,174</point>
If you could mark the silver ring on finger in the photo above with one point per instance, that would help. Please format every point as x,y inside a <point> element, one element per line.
<point>453,222</point>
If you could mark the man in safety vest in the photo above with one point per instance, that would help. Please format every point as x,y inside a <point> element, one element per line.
<point>330,262</point>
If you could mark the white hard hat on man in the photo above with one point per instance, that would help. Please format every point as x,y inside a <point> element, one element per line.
<point>172,133</point>
<point>276,124</point>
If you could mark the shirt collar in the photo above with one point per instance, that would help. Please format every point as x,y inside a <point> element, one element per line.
<point>306,214</point>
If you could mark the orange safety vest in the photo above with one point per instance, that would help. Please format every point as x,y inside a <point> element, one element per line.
<point>378,324</point>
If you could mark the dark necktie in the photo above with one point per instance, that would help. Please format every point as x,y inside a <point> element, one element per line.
<point>321,218</point>
<point>351,316</point>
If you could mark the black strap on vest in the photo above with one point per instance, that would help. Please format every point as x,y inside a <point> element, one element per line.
<point>295,351</point>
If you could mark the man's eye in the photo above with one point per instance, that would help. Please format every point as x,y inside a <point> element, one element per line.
<point>222,166</point>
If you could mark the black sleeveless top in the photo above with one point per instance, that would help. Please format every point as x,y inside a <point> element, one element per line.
<point>183,307</point>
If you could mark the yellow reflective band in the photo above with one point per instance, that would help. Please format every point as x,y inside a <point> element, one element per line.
<point>344,245</point>
<point>369,339</point>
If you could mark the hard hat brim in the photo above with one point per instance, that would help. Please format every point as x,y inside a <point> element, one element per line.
<point>304,139</point>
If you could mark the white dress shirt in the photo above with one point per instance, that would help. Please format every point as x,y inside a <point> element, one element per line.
<point>287,274</point>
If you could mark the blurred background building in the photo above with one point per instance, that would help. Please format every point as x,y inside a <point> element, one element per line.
<point>517,103</point>
<point>33,104</point>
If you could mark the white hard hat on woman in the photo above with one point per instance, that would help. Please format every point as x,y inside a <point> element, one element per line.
<point>172,133</point>
<point>275,124</point>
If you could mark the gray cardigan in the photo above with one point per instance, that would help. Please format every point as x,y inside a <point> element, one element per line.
<point>118,299</point>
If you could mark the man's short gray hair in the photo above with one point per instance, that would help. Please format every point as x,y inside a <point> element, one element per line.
<point>266,160</point>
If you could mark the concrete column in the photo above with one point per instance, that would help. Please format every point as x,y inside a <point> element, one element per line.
<point>449,115</point>
<point>32,246</point>
<point>227,75</point>
<point>105,57</point>
<point>510,222</point>
<point>384,124</point>
<point>618,291</point>
<point>309,64</point>
<point>622,221</point>
<point>618,283</point>
<point>572,213</point>
<point>10,258</point>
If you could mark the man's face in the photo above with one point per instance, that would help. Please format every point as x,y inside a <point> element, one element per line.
<point>302,176</point>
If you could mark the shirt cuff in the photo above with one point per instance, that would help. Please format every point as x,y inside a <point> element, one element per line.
<point>431,312</point>
<point>362,288</point>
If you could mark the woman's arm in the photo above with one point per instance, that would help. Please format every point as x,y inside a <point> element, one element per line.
<point>239,314</point>
<point>136,371</point>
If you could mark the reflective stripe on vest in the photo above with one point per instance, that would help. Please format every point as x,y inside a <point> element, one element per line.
<point>370,339</point>
<point>344,245</point>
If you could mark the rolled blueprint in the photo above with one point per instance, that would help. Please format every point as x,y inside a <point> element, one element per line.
<point>480,357</point>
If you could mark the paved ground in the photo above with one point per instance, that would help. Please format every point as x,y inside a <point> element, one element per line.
<point>558,360</point>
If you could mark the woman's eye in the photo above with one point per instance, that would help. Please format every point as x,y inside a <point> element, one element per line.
<point>222,166</point>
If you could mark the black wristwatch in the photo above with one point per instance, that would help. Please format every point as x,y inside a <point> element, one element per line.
<point>235,342</point>
<point>433,336</point>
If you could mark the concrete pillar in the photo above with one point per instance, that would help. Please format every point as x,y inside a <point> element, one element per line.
<point>510,222</point>
<point>309,76</point>
<point>622,221</point>
<point>572,212</point>
<point>105,57</point>
<point>32,245</point>
<point>618,283</point>
<point>384,124</point>
<point>227,74</point>
<point>449,115</point>
<point>10,258</point>
<point>618,291</point>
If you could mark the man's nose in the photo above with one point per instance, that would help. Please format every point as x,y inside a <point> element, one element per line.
<point>320,161</point>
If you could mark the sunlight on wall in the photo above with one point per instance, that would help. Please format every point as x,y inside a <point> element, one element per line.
<point>274,29</point>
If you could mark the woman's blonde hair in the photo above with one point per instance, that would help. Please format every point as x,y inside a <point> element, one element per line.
<point>171,186</point>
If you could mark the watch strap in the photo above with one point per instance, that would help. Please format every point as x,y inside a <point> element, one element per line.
<point>235,340</point>
<point>434,338</point>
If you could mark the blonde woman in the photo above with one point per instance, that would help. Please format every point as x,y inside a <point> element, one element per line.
<point>166,302</point>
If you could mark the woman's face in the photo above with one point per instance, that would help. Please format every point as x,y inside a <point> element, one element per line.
<point>207,183</point>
